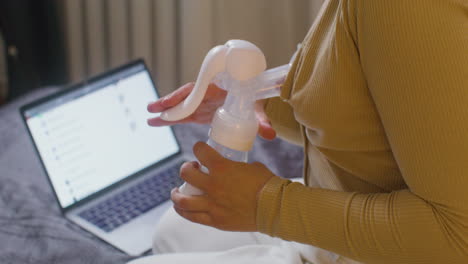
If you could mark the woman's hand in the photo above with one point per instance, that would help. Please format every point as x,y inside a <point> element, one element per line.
<point>213,99</point>
<point>231,189</point>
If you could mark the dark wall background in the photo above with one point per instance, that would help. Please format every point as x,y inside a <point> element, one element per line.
<point>34,45</point>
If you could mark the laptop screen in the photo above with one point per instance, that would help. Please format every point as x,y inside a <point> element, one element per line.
<point>96,135</point>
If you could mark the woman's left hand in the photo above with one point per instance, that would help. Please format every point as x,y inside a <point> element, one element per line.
<point>231,189</point>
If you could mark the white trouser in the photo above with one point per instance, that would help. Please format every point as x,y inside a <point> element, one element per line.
<point>177,240</point>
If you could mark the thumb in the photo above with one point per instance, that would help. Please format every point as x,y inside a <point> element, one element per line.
<point>206,155</point>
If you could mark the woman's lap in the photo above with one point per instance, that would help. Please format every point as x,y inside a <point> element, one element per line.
<point>259,254</point>
<point>177,240</point>
<point>175,234</point>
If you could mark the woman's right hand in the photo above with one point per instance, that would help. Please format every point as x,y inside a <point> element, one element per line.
<point>213,99</point>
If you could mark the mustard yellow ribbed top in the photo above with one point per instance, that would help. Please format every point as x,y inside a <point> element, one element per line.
<point>378,96</point>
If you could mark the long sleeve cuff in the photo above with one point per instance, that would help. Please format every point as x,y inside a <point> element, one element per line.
<point>268,201</point>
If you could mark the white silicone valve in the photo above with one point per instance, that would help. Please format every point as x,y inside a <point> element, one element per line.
<point>241,59</point>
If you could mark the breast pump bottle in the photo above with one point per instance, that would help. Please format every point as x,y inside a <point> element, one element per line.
<point>239,68</point>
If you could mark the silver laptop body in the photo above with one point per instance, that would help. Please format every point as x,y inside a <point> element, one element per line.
<point>110,172</point>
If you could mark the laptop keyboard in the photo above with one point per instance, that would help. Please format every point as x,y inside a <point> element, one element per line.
<point>138,199</point>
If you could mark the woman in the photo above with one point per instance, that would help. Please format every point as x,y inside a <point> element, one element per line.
<point>378,97</point>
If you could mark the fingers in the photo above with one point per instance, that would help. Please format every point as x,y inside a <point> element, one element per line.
<point>190,172</point>
<point>171,100</point>
<point>207,156</point>
<point>265,129</point>
<point>260,111</point>
<point>197,217</point>
<point>157,121</point>
<point>191,203</point>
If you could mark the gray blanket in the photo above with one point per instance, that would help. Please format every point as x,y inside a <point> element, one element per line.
<point>32,229</point>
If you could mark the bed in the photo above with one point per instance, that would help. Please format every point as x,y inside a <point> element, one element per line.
<point>32,229</point>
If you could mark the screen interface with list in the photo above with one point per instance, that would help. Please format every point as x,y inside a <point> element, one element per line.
<point>96,136</point>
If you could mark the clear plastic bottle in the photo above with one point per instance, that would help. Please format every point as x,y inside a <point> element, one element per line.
<point>226,152</point>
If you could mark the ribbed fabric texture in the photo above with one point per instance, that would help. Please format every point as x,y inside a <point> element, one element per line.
<point>379,93</point>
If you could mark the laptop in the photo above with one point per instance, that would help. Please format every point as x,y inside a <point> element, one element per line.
<point>110,172</point>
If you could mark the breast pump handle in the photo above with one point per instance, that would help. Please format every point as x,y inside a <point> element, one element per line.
<point>241,59</point>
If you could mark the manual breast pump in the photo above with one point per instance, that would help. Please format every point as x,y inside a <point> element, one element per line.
<point>239,68</point>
